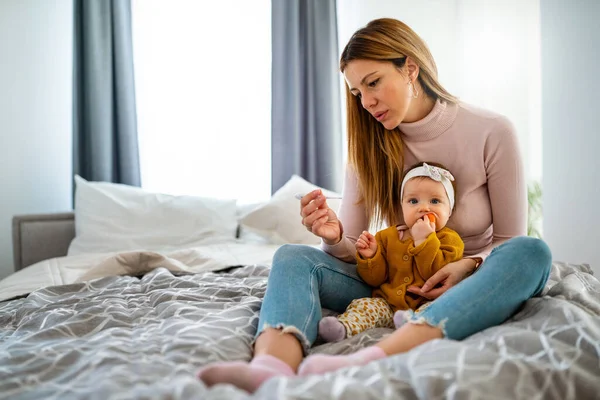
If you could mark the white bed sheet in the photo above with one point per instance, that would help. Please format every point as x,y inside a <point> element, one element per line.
<point>70,269</point>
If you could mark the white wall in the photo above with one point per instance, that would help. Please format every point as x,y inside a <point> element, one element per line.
<point>35,112</point>
<point>571,129</point>
<point>486,51</point>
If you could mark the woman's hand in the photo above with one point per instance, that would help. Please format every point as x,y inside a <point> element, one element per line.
<point>319,219</point>
<point>448,276</point>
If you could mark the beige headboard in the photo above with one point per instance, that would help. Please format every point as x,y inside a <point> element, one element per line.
<point>38,237</point>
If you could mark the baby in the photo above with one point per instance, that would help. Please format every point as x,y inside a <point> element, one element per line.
<point>403,255</point>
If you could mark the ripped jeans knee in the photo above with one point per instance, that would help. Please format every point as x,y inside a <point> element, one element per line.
<point>416,317</point>
<point>409,316</point>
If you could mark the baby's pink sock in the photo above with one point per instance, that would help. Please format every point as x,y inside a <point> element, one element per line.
<point>246,376</point>
<point>400,318</point>
<point>331,329</point>
<point>320,363</point>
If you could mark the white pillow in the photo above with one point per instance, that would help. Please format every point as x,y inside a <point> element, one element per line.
<point>112,217</point>
<point>243,234</point>
<point>279,219</point>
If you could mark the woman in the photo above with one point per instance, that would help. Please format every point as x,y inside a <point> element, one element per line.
<point>398,114</point>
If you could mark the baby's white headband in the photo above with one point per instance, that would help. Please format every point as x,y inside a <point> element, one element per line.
<point>437,174</point>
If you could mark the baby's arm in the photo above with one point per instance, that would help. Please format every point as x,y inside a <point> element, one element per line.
<point>438,250</point>
<point>366,245</point>
<point>373,270</point>
<point>422,228</point>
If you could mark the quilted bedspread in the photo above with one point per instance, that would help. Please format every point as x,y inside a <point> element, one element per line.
<point>123,337</point>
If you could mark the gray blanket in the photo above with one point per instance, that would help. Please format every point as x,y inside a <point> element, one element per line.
<point>128,337</point>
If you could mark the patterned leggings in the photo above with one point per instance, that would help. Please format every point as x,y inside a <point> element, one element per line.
<point>367,313</point>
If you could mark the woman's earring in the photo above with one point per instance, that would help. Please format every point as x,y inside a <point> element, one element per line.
<point>415,92</point>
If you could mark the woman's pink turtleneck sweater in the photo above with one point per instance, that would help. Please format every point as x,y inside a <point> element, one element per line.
<point>480,148</point>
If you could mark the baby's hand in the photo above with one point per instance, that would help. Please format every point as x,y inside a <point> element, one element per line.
<point>423,228</point>
<point>366,245</point>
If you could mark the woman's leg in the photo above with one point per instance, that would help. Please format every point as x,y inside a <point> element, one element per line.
<point>302,280</point>
<point>514,272</point>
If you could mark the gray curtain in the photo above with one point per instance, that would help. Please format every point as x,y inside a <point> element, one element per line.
<point>105,143</point>
<point>306,125</point>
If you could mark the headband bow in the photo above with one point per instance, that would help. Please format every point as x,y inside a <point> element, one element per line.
<point>437,173</point>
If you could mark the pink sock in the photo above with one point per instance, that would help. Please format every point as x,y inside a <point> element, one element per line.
<point>320,363</point>
<point>400,318</point>
<point>246,376</point>
<point>331,329</point>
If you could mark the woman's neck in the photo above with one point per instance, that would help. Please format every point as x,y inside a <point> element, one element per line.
<point>419,108</point>
<point>432,125</point>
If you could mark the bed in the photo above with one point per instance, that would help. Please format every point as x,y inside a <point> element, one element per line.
<point>90,315</point>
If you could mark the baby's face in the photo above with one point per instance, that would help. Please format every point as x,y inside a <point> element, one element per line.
<point>424,196</point>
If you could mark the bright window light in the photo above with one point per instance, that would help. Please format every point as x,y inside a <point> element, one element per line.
<point>203,91</point>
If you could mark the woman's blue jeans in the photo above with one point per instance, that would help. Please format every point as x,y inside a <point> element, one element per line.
<point>304,279</point>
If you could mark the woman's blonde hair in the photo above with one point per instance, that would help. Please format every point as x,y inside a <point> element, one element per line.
<point>375,153</point>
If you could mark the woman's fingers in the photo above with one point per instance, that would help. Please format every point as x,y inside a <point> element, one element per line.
<point>315,216</point>
<point>308,197</point>
<point>314,210</point>
<point>429,289</point>
<point>321,218</point>
<point>434,280</point>
<point>415,290</point>
<point>437,292</point>
<point>311,202</point>
<point>432,294</point>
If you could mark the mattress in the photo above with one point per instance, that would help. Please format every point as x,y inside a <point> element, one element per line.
<point>145,334</point>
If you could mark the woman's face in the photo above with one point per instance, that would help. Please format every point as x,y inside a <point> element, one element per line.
<point>384,90</point>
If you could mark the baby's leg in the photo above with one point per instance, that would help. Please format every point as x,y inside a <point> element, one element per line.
<point>384,315</point>
<point>361,315</point>
<point>331,329</point>
<point>400,318</point>
<point>345,325</point>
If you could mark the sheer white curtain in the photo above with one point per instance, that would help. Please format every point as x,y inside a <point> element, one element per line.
<point>203,86</point>
<point>487,53</point>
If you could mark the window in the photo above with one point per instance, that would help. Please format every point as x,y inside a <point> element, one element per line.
<point>203,91</point>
